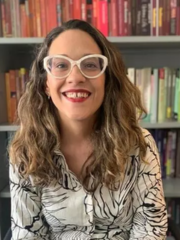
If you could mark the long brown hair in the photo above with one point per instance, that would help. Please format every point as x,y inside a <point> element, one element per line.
<point>117,130</point>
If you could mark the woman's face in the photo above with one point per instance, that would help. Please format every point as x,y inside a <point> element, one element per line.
<point>75,44</point>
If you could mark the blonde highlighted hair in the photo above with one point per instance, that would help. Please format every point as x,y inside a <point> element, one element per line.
<point>116,131</point>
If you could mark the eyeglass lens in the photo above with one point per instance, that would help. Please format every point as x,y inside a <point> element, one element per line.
<point>59,66</point>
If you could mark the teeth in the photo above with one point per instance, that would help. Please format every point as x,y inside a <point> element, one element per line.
<point>77,95</point>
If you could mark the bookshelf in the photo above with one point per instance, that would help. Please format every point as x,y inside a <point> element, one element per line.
<point>137,52</point>
<point>5,193</point>
<point>32,40</point>
<point>172,41</point>
<point>8,128</point>
<point>146,41</point>
<point>164,125</point>
<point>171,188</point>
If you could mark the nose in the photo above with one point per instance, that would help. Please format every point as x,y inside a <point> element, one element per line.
<point>75,76</point>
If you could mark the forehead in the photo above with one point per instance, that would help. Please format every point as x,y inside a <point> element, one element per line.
<point>75,44</point>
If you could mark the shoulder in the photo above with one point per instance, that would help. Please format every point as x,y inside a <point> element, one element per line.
<point>17,179</point>
<point>147,135</point>
<point>150,142</point>
<point>151,161</point>
<point>151,157</point>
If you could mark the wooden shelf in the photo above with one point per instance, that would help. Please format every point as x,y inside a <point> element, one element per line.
<point>147,42</point>
<point>33,40</point>
<point>145,39</point>
<point>5,193</point>
<point>8,128</point>
<point>164,125</point>
<point>160,125</point>
<point>173,41</point>
<point>171,189</point>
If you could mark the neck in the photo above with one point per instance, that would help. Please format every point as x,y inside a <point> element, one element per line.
<point>73,132</point>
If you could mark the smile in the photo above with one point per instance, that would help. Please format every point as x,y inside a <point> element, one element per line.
<point>77,96</point>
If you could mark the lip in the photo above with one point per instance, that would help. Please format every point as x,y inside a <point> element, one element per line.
<point>77,90</point>
<point>76,100</point>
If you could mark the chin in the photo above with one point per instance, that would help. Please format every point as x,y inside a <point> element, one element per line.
<point>79,117</point>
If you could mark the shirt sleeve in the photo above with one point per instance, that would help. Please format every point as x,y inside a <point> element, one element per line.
<point>27,221</point>
<point>150,215</point>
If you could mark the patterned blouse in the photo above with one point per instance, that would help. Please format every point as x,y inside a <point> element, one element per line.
<point>65,210</point>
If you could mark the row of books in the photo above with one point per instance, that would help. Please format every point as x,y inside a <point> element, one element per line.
<point>15,81</point>
<point>160,90</point>
<point>173,208</point>
<point>29,18</point>
<point>35,18</point>
<point>168,142</point>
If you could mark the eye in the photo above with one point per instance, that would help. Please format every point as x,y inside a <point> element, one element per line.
<point>90,65</point>
<point>61,65</point>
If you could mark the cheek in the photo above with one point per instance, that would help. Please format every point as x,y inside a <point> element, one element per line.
<point>54,90</point>
<point>53,86</point>
<point>100,94</point>
<point>100,88</point>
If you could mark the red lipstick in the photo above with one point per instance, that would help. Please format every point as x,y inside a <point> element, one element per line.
<point>76,95</point>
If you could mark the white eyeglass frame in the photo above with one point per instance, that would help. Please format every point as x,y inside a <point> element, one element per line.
<point>75,63</point>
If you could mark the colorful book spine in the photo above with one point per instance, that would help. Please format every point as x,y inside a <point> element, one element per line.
<point>83,10</point>
<point>43,18</point>
<point>89,9</point>
<point>146,91</point>
<point>154,95</point>
<point>59,13</point>
<point>173,9</point>
<point>178,18</point>
<point>77,9</point>
<point>114,16</point>
<point>103,19</point>
<point>121,17</point>
<point>125,19</point>
<point>161,99</point>
<point>145,17</point>
<point>1,30</point>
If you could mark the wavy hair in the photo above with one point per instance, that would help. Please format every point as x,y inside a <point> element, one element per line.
<point>116,131</point>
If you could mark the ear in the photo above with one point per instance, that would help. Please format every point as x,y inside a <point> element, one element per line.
<point>47,91</point>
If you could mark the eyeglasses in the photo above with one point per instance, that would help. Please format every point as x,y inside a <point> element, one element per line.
<point>91,66</point>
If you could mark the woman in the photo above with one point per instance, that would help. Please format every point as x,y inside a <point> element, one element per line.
<point>81,167</point>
